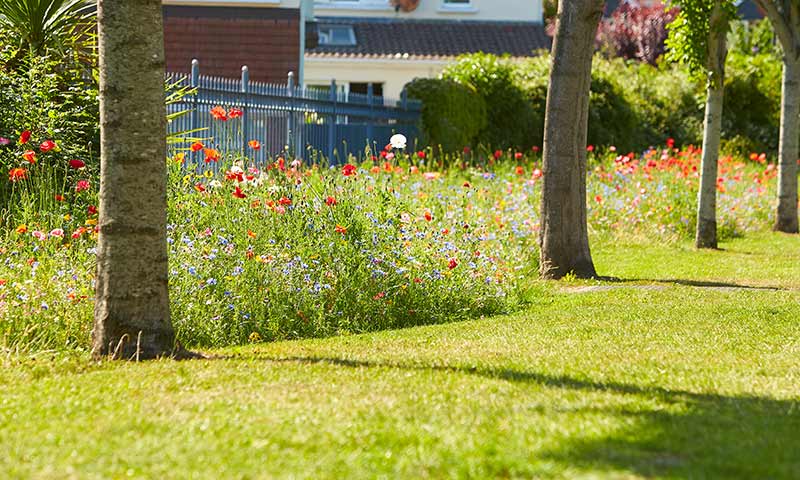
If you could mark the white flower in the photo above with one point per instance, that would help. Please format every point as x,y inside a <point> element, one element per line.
<point>398,141</point>
<point>215,184</point>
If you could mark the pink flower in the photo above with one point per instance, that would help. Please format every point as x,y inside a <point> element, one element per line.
<point>47,145</point>
<point>82,185</point>
<point>4,141</point>
<point>39,235</point>
<point>57,232</point>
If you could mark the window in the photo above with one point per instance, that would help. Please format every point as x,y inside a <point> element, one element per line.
<point>458,5</point>
<point>342,35</point>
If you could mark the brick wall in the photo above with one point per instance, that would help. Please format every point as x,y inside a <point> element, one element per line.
<point>223,39</point>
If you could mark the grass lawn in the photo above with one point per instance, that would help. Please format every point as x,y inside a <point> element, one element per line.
<point>685,365</point>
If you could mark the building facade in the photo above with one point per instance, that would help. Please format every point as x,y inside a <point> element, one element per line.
<point>387,43</point>
<point>269,36</point>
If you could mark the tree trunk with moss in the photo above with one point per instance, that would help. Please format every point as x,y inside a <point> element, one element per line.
<point>132,316</point>
<point>564,238</point>
<point>706,236</point>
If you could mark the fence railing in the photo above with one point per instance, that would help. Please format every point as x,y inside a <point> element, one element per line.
<point>291,120</point>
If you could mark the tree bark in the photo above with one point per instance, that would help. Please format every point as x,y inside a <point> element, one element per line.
<point>706,236</point>
<point>786,219</point>
<point>564,238</point>
<point>132,317</point>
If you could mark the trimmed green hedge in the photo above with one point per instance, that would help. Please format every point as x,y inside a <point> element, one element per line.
<point>453,114</point>
<point>633,105</point>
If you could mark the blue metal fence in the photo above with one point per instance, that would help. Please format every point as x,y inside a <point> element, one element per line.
<point>291,120</point>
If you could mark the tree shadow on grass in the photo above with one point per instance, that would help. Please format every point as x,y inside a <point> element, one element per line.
<point>713,436</point>
<point>692,283</point>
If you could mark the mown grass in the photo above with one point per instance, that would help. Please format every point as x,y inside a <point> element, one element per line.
<point>644,375</point>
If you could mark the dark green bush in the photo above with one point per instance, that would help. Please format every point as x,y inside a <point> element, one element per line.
<point>453,114</point>
<point>512,120</point>
<point>751,112</point>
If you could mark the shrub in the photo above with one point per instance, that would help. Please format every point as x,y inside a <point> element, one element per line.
<point>512,121</point>
<point>637,32</point>
<point>751,112</point>
<point>453,114</point>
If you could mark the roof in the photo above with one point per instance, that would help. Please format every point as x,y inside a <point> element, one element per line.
<point>433,39</point>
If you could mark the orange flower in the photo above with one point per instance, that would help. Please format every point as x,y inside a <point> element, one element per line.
<point>17,174</point>
<point>29,156</point>
<point>212,155</point>
<point>238,193</point>
<point>251,234</point>
<point>197,146</point>
<point>428,215</point>
<point>235,113</point>
<point>254,144</point>
<point>341,229</point>
<point>219,113</point>
<point>22,229</point>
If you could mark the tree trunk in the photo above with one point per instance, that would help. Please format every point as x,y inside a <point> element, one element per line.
<point>707,197</point>
<point>786,220</point>
<point>132,317</point>
<point>564,238</point>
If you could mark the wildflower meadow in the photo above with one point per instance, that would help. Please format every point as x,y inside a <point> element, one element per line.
<point>286,249</point>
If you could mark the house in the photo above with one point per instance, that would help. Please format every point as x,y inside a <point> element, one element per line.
<point>387,43</point>
<point>269,36</point>
<point>747,9</point>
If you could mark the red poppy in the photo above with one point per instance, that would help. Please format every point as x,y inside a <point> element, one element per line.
<point>452,263</point>
<point>671,142</point>
<point>519,170</point>
<point>348,170</point>
<point>235,113</point>
<point>598,199</point>
<point>76,164</point>
<point>590,148</point>
<point>331,201</point>
<point>17,174</point>
<point>92,210</point>
<point>498,154</point>
<point>466,185</point>
<point>219,113</point>
<point>59,198</point>
<point>421,154</point>
<point>466,150</point>
<point>518,155</point>
<point>197,146</point>
<point>535,149</point>
<point>428,216</point>
<point>285,201</point>
<point>254,144</point>
<point>199,187</point>
<point>25,137</point>
<point>238,193</point>
<point>30,156</point>
<point>212,155</point>
<point>47,145</point>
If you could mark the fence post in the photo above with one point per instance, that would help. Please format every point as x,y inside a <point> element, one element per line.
<point>332,123</point>
<point>193,115</point>
<point>289,114</point>
<point>371,118</point>
<point>245,108</point>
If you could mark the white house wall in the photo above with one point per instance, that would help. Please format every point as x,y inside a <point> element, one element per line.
<point>507,10</point>
<point>393,74</point>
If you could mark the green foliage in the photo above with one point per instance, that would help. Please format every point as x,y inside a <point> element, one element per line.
<point>41,26</point>
<point>512,121</point>
<point>687,42</point>
<point>753,38</point>
<point>453,114</point>
<point>752,103</point>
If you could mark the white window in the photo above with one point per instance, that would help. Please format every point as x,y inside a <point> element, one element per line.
<point>342,35</point>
